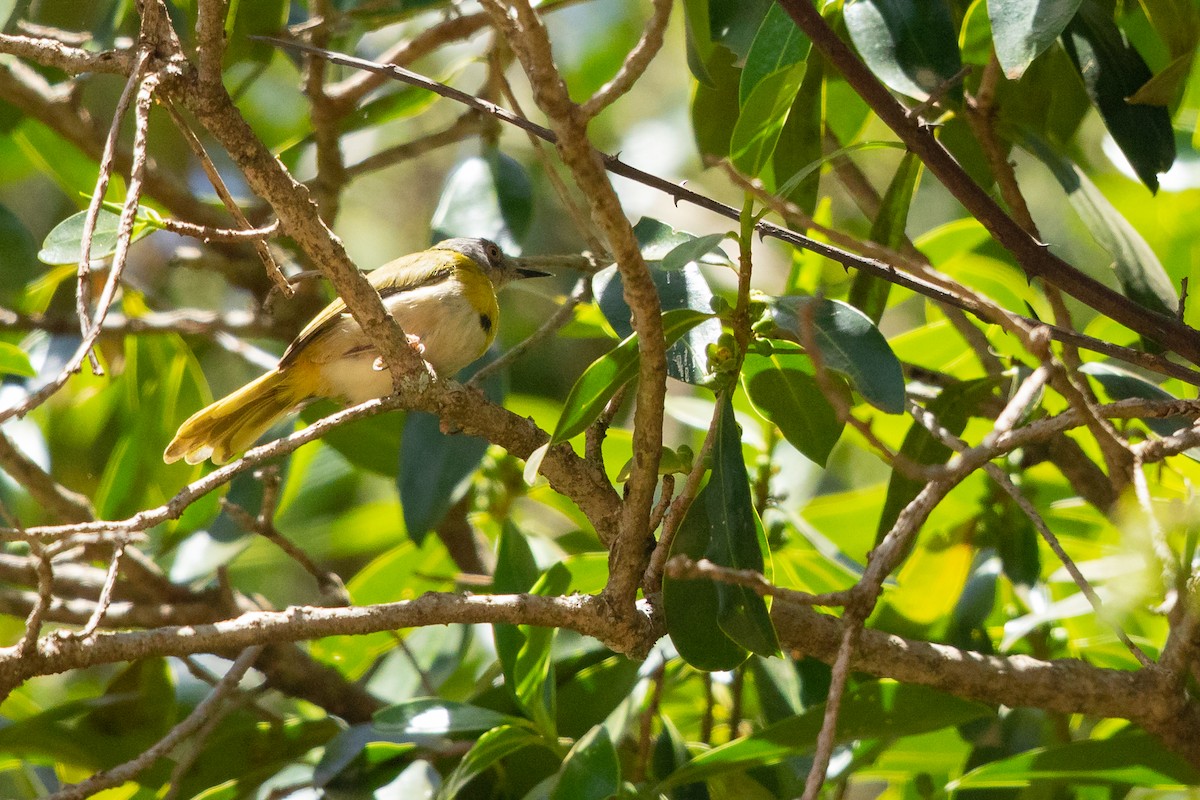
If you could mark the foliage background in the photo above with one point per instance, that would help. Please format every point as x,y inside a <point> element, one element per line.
<point>521,712</point>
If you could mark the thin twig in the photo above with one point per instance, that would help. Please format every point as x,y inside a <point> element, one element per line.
<point>145,96</point>
<point>278,279</point>
<point>682,566</point>
<point>205,710</point>
<point>106,594</point>
<point>83,291</point>
<point>635,63</point>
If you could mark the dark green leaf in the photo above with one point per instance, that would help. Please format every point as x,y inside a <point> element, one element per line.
<point>258,18</point>
<point>249,751</point>
<point>735,23</point>
<point>952,408</point>
<point>778,44</point>
<point>658,240</point>
<point>430,716</point>
<point>435,466</point>
<point>677,289</point>
<point>869,711</point>
<point>64,244</point>
<point>593,693</point>
<point>1120,384</point>
<point>1136,759</point>
<point>868,293</point>
<point>372,443</point>
<point>524,650</point>
<point>1112,71</point>
<point>910,45</point>
<point>490,196</point>
<point>690,607</point>
<point>435,470</point>
<point>1138,269</point>
<point>1023,29</point>
<point>604,376</point>
<point>488,750</point>
<point>15,361</point>
<point>782,388</point>
<point>736,538</point>
<point>18,254</point>
<point>591,771</point>
<point>848,344</point>
<point>715,105</point>
<point>799,144</point>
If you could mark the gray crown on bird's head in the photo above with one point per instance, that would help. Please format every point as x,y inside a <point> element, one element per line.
<point>487,254</point>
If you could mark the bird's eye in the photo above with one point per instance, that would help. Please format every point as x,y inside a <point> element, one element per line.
<point>493,252</point>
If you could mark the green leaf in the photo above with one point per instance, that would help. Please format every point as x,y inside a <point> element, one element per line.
<point>1136,759</point>
<point>690,607</point>
<point>491,748</point>
<point>1112,70</point>
<point>677,289</point>
<point>909,44</point>
<point>778,44</point>
<point>18,255</point>
<point>1023,29</point>
<point>762,117</point>
<point>372,443</point>
<point>869,711</point>
<point>691,251</point>
<point>715,105</point>
<point>489,195</point>
<point>431,716</point>
<point>848,344</point>
<point>736,538</point>
<point>869,293</point>
<point>604,376</point>
<point>435,467</point>
<point>247,18</point>
<point>64,244</point>
<point>1138,269</point>
<point>1120,384</point>
<point>781,387</point>
<point>15,361</point>
<point>952,408</point>
<point>591,771</point>
<point>524,650</point>
<point>735,23</point>
<point>799,146</point>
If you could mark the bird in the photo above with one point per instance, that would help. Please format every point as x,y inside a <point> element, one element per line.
<point>445,300</point>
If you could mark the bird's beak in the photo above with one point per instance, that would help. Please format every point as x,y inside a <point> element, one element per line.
<point>525,272</point>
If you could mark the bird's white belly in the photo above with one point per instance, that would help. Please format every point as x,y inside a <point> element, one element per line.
<point>439,316</point>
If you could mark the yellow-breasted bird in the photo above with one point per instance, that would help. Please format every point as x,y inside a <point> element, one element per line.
<point>445,300</point>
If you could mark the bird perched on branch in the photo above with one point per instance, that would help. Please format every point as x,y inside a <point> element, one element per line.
<point>445,300</point>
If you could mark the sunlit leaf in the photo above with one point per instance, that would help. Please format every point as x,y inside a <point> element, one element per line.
<point>490,196</point>
<point>1135,759</point>
<point>64,244</point>
<point>15,361</point>
<point>909,44</point>
<point>1141,275</point>
<point>871,710</point>
<point>1023,29</point>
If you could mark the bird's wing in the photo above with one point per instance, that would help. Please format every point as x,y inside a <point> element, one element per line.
<point>402,275</point>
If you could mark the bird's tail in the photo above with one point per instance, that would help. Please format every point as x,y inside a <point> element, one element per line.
<point>233,423</point>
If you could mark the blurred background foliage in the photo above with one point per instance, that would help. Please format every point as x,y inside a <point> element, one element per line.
<point>524,712</point>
